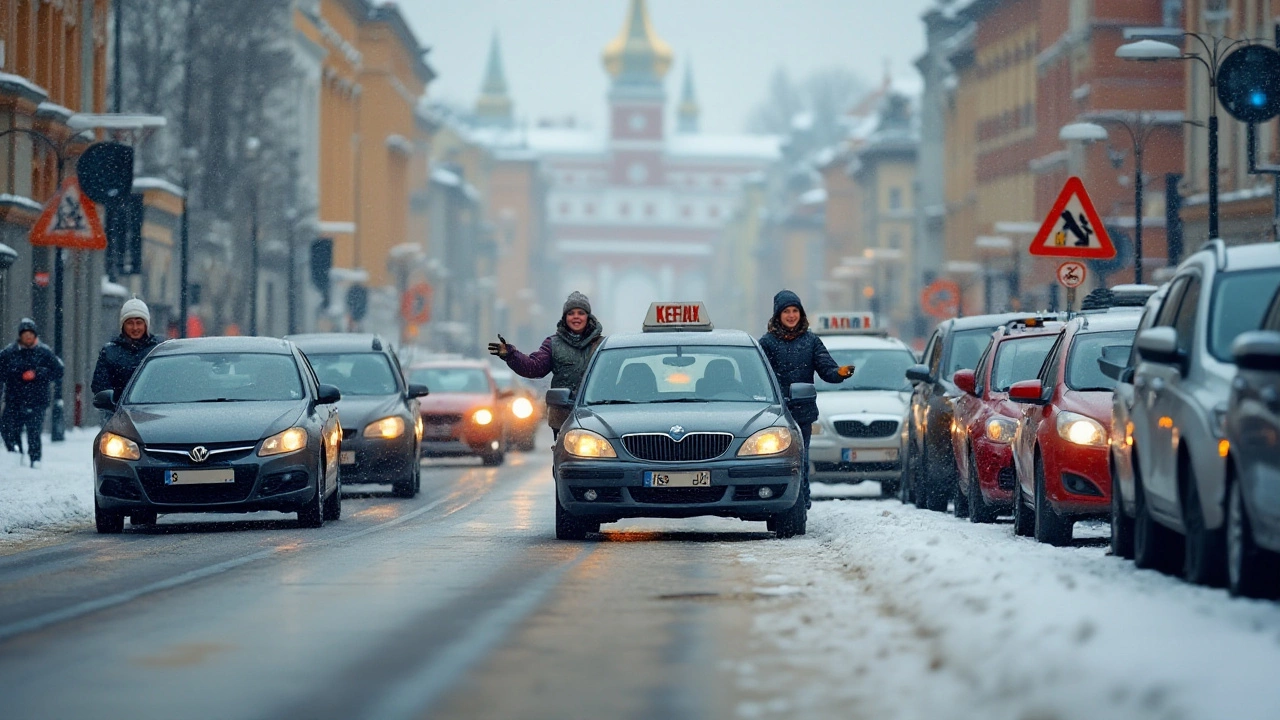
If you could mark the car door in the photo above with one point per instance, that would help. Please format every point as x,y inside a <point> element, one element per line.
<point>970,413</point>
<point>1122,425</point>
<point>1256,437</point>
<point>326,417</point>
<point>1148,384</point>
<point>921,394</point>
<point>1024,438</point>
<point>1171,404</point>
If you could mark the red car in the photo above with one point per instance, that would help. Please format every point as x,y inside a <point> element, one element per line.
<point>464,413</point>
<point>985,417</point>
<point>1060,449</point>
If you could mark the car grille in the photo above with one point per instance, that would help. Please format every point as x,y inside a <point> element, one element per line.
<point>873,429</point>
<point>677,496</point>
<point>692,447</point>
<point>153,482</point>
<point>441,418</point>
<point>175,454</point>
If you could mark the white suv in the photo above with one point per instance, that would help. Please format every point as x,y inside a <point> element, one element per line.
<point>1181,387</point>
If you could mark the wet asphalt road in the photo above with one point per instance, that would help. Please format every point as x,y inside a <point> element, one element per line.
<point>456,604</point>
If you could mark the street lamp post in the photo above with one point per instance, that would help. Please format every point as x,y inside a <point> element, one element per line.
<point>187,159</point>
<point>251,146</point>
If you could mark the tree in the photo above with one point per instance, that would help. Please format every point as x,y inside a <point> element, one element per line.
<point>818,102</point>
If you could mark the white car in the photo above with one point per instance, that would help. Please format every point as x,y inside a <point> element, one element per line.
<point>858,435</point>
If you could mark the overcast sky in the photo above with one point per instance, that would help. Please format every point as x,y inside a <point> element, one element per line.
<point>552,48</point>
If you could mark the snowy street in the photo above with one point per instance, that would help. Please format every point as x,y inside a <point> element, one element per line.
<point>459,603</point>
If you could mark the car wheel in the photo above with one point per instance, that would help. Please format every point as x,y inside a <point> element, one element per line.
<point>528,445</point>
<point>109,523</point>
<point>1154,545</point>
<point>1252,571</point>
<point>1121,523</point>
<point>961,503</point>
<point>1204,550</point>
<point>1049,526</point>
<point>333,506</point>
<point>980,511</point>
<point>888,488</point>
<point>905,484</point>
<point>569,527</point>
<point>143,517</point>
<point>311,515</point>
<point>493,459</point>
<point>792,522</point>
<point>1024,523</point>
<point>408,487</point>
<point>941,487</point>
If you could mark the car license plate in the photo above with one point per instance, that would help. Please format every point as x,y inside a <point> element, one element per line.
<point>701,478</point>
<point>347,457</point>
<point>220,476</point>
<point>876,455</point>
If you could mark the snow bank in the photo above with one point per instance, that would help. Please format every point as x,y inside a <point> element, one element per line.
<point>58,493</point>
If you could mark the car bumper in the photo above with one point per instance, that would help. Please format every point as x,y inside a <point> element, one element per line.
<point>836,459</point>
<point>364,460</point>
<point>1077,479</point>
<point>995,471</point>
<point>283,483</point>
<point>734,490</point>
<point>463,439</point>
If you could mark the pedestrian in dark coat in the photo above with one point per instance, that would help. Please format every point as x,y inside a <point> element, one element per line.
<point>121,356</point>
<point>563,356</point>
<point>28,367</point>
<point>795,354</point>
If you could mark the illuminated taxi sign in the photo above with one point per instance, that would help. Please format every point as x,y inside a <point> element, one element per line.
<point>669,316</point>
<point>845,323</point>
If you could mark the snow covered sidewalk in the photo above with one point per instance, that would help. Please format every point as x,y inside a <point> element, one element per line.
<point>59,493</point>
<point>888,611</point>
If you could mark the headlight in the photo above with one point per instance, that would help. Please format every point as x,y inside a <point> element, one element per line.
<point>482,416</point>
<point>1080,430</point>
<point>291,440</point>
<point>769,441</point>
<point>584,443</point>
<point>1001,430</point>
<point>120,448</point>
<point>521,408</point>
<point>388,428</point>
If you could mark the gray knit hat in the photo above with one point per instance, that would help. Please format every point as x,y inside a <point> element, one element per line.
<point>135,308</point>
<point>577,300</point>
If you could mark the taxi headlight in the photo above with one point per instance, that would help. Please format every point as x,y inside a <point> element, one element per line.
<point>118,447</point>
<point>483,416</point>
<point>584,443</point>
<point>1001,430</point>
<point>769,441</point>
<point>1080,430</point>
<point>388,428</point>
<point>291,440</point>
<point>521,408</point>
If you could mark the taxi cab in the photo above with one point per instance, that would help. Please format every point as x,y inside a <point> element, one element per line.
<point>858,435</point>
<point>680,420</point>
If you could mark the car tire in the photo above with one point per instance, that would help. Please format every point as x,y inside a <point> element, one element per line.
<point>141,518</point>
<point>980,511</point>
<point>961,503</point>
<point>109,523</point>
<point>1155,547</point>
<point>408,487</point>
<point>528,445</point>
<point>311,515</point>
<point>1024,523</point>
<point>1050,528</point>
<point>1121,523</point>
<point>889,488</point>
<point>493,459</point>
<point>1252,571</point>
<point>905,484</point>
<point>569,527</point>
<point>792,522</point>
<point>333,506</point>
<point>1204,550</point>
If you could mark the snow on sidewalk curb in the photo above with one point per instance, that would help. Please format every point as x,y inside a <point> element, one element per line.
<point>58,493</point>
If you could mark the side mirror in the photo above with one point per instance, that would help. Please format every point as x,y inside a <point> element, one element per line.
<point>1159,345</point>
<point>105,400</point>
<point>417,390</point>
<point>506,394</point>
<point>559,397</point>
<point>1112,361</point>
<point>803,391</point>
<point>1027,391</point>
<point>328,395</point>
<point>1257,350</point>
<point>966,381</point>
<point>1126,376</point>
<point>920,374</point>
<point>1110,369</point>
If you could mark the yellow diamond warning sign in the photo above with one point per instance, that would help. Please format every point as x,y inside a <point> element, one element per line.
<point>70,220</point>
<point>1073,228</point>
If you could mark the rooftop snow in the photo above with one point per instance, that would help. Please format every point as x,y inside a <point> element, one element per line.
<point>754,147</point>
<point>26,202</point>
<point>155,183</point>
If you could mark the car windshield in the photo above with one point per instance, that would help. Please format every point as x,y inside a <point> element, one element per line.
<point>216,377</point>
<point>365,373</point>
<point>966,348</point>
<point>1083,372</point>
<point>873,370</point>
<point>465,380</point>
<point>688,373</point>
<point>1239,301</point>
<point>1019,359</point>
<point>504,380</point>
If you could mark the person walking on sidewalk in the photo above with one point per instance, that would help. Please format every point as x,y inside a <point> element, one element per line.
<point>120,357</point>
<point>795,354</point>
<point>27,367</point>
<point>563,355</point>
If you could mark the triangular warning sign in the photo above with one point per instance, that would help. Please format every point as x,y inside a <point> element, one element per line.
<point>70,220</point>
<point>1073,228</point>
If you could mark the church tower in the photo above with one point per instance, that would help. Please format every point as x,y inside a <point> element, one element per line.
<point>493,107</point>
<point>688,111</point>
<point>637,61</point>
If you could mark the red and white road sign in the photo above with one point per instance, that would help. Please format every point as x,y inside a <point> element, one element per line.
<point>1073,228</point>
<point>70,220</point>
<point>1072,274</point>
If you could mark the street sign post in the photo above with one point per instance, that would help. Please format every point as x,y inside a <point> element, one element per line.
<point>1073,228</point>
<point>415,304</point>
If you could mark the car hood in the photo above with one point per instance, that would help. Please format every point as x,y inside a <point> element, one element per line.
<point>1093,403</point>
<point>360,410</point>
<point>180,423</point>
<point>863,402</point>
<point>739,418</point>
<point>454,402</point>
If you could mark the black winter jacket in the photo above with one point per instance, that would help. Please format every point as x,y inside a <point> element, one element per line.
<point>15,361</point>
<point>796,360</point>
<point>119,360</point>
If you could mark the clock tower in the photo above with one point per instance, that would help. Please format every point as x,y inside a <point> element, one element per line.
<point>637,60</point>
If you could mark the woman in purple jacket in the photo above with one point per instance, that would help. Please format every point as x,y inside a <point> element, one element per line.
<point>564,355</point>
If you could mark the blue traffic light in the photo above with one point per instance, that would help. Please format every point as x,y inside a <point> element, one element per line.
<point>1258,98</point>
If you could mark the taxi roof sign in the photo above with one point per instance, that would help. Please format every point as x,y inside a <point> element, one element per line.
<point>677,316</point>
<point>845,323</point>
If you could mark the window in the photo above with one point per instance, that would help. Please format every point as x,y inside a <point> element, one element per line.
<point>637,121</point>
<point>1083,372</point>
<point>465,380</point>
<point>876,370</point>
<point>933,354</point>
<point>1018,360</point>
<point>895,239</point>
<point>966,348</point>
<point>1170,308</point>
<point>678,373</point>
<point>895,198</point>
<point>216,377</point>
<point>1185,322</point>
<point>1236,308</point>
<point>637,173</point>
<point>356,373</point>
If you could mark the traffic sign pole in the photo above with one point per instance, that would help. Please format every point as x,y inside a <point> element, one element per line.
<point>57,420</point>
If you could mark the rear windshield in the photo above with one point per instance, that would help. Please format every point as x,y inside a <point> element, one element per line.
<point>873,370</point>
<point>216,377</point>
<point>1019,359</point>
<point>689,373</point>
<point>356,373</point>
<point>465,380</point>
<point>966,349</point>
<point>1239,301</point>
<point>1083,372</point>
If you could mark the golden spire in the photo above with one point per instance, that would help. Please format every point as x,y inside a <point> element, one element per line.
<point>637,50</point>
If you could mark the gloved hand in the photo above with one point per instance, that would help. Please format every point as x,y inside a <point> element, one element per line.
<point>29,375</point>
<point>845,371</point>
<point>500,348</point>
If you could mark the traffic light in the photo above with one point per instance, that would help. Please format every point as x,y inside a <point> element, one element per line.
<point>1249,83</point>
<point>321,262</point>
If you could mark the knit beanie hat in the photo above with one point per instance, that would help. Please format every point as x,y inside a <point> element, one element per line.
<point>135,308</point>
<point>577,301</point>
<point>27,324</point>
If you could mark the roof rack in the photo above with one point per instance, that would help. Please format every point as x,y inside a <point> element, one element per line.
<point>1033,321</point>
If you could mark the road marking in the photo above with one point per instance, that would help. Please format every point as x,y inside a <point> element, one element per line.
<point>414,695</point>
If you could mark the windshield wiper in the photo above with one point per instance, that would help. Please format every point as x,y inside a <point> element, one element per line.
<point>613,402</point>
<point>213,400</point>
<point>682,400</point>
